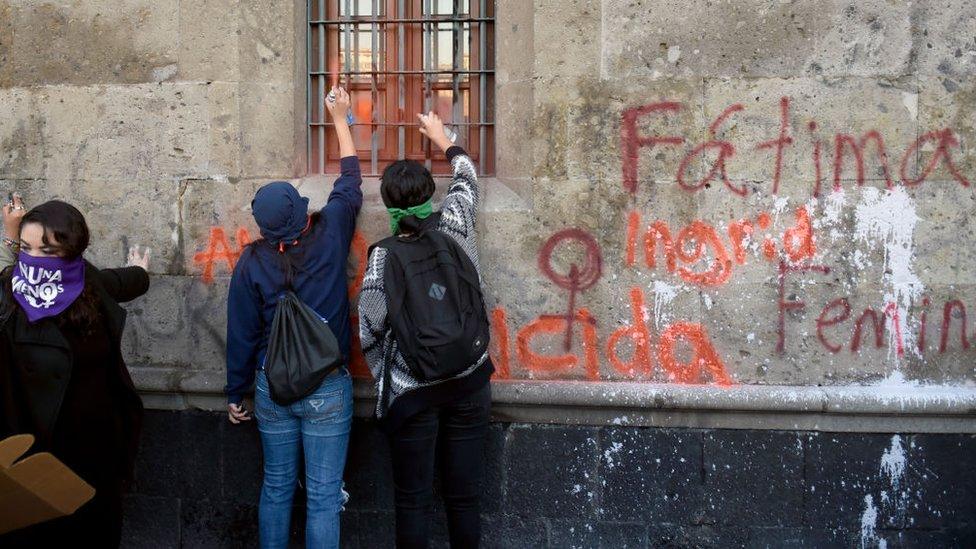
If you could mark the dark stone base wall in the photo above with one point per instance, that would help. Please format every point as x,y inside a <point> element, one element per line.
<point>198,481</point>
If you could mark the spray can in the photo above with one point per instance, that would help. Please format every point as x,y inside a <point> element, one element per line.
<point>448,131</point>
<point>331,98</point>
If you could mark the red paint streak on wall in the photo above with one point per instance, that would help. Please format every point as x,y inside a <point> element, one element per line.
<point>891,311</point>
<point>844,145</point>
<point>499,338</point>
<point>725,151</point>
<point>561,364</point>
<point>798,240</point>
<point>857,147</point>
<point>219,250</point>
<point>947,139</point>
<point>781,142</point>
<point>704,358</point>
<point>631,141</point>
<point>699,237</point>
<point>784,305</point>
<point>738,232</point>
<point>818,170</point>
<point>824,322</point>
<point>947,320</point>
<point>639,366</point>
<point>701,234</point>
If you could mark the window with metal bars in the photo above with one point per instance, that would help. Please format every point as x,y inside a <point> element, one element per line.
<point>398,58</point>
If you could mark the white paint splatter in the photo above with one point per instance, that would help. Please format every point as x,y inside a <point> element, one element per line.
<point>674,52</point>
<point>893,465</point>
<point>893,462</point>
<point>869,522</point>
<point>707,300</point>
<point>664,293</point>
<point>611,452</point>
<point>888,217</point>
<point>910,100</point>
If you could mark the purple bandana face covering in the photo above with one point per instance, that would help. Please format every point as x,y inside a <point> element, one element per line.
<point>46,286</point>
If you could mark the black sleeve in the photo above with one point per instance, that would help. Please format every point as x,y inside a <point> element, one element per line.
<point>452,151</point>
<point>126,283</point>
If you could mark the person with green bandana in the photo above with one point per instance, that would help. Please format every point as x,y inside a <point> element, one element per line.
<point>424,333</point>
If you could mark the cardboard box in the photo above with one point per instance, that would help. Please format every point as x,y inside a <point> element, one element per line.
<point>36,488</point>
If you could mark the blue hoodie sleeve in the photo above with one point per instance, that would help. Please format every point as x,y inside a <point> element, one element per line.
<point>244,331</point>
<point>345,200</point>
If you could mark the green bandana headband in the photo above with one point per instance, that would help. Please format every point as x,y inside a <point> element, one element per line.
<point>421,211</point>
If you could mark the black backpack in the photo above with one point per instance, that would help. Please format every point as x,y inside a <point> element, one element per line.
<point>434,303</point>
<point>302,350</point>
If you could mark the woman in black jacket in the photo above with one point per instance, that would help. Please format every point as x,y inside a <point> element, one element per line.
<point>62,377</point>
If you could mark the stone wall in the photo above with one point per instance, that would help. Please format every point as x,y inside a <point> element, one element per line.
<point>198,481</point>
<point>761,193</point>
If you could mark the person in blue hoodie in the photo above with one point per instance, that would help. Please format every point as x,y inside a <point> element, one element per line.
<point>314,249</point>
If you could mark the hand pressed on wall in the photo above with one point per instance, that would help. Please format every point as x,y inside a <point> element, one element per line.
<point>137,259</point>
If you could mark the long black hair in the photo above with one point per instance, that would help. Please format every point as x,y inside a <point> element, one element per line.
<point>66,230</point>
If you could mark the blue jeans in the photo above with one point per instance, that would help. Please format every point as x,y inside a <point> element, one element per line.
<point>320,424</point>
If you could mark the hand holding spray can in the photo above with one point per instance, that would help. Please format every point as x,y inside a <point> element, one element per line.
<point>331,98</point>
<point>448,131</point>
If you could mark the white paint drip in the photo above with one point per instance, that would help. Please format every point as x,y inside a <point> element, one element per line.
<point>664,293</point>
<point>893,462</point>
<point>893,465</point>
<point>887,217</point>
<point>869,523</point>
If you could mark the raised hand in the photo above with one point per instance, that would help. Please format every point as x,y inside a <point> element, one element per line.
<point>432,127</point>
<point>13,212</point>
<point>338,103</point>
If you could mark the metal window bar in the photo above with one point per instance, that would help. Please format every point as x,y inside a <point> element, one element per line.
<point>430,50</point>
<point>366,20</point>
<point>348,22</point>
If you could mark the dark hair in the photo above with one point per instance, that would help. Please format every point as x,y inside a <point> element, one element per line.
<point>63,222</point>
<point>66,225</point>
<point>406,183</point>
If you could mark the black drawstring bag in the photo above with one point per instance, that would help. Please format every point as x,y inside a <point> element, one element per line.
<point>302,351</point>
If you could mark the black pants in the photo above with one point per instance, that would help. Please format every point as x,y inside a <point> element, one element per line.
<point>454,433</point>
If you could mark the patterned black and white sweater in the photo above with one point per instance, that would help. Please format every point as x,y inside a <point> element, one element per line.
<point>407,394</point>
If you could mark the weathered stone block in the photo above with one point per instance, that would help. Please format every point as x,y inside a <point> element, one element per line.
<point>514,24</point>
<point>209,37</point>
<point>650,475</point>
<point>566,39</point>
<point>534,486</point>
<point>180,322</point>
<point>757,38</point>
<point>741,474</point>
<point>97,42</point>
<point>21,135</point>
<point>268,131</point>
<point>941,482</point>
<point>943,40</point>
<point>151,131</point>
<point>268,40</point>
<point>847,479</point>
